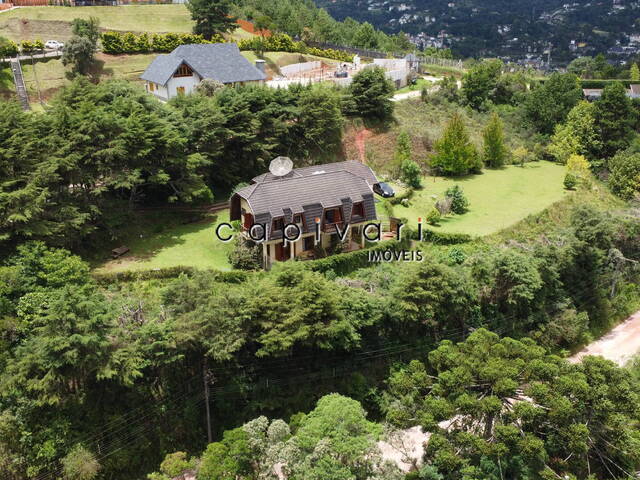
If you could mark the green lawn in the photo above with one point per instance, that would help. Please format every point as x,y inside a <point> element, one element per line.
<point>137,18</point>
<point>420,82</point>
<point>193,245</point>
<point>54,23</point>
<point>497,198</point>
<point>51,74</point>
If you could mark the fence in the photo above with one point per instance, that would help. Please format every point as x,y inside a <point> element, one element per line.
<point>298,68</point>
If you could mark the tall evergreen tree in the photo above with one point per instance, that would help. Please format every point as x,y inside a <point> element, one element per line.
<point>495,151</point>
<point>455,154</point>
<point>614,117</point>
<point>371,93</point>
<point>211,17</point>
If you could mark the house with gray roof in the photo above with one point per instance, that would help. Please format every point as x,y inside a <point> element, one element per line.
<point>319,207</point>
<point>180,71</point>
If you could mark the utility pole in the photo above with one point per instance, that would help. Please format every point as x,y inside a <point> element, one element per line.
<point>205,379</point>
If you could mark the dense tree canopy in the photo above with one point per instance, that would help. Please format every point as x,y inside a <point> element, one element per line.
<point>502,408</point>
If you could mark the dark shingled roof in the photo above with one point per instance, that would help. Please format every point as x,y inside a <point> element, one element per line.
<point>356,168</point>
<point>219,61</point>
<point>326,184</point>
<point>327,189</point>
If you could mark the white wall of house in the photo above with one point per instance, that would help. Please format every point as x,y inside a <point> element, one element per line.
<point>188,83</point>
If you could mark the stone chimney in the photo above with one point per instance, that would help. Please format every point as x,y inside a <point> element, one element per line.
<point>261,65</point>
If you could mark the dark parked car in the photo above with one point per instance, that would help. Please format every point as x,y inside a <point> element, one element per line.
<point>384,190</point>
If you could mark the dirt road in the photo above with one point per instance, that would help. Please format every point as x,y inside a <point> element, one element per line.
<point>619,345</point>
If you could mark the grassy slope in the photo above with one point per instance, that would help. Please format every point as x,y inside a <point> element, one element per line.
<point>148,18</point>
<point>497,198</point>
<point>193,244</point>
<point>425,122</point>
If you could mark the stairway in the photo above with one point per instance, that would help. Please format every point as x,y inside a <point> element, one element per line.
<point>19,81</point>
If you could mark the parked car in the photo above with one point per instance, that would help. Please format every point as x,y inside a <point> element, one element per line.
<point>53,45</point>
<point>384,190</point>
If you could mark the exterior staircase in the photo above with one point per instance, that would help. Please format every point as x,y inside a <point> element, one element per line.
<point>18,78</point>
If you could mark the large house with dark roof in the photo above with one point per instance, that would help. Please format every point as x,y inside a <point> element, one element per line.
<point>180,71</point>
<point>320,200</point>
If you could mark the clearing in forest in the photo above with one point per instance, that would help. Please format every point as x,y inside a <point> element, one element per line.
<point>497,198</point>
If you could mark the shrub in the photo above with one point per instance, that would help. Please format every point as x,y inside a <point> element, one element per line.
<point>346,263</point>
<point>456,256</point>
<point>8,48</point>
<point>459,203</point>
<point>246,255</point>
<point>570,181</point>
<point>624,180</point>
<point>433,217</point>
<point>521,156</point>
<point>401,197</point>
<point>411,173</point>
<point>442,238</point>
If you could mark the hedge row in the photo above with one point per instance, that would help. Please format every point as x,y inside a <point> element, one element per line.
<point>281,42</point>
<point>442,238</point>
<point>603,83</point>
<point>106,278</point>
<point>345,263</point>
<point>127,42</point>
<point>115,43</point>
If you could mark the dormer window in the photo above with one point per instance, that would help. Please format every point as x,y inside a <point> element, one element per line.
<point>333,215</point>
<point>358,209</point>
<point>278,224</point>
<point>183,71</point>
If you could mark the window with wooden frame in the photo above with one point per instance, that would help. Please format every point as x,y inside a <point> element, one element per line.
<point>152,86</point>
<point>358,210</point>
<point>333,215</point>
<point>180,90</point>
<point>278,224</point>
<point>183,71</point>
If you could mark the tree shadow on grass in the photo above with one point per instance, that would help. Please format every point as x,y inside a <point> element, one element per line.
<point>147,243</point>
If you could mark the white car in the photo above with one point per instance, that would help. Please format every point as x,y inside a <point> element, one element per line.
<point>53,45</point>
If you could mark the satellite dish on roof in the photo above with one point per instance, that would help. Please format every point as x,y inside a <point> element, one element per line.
<point>280,166</point>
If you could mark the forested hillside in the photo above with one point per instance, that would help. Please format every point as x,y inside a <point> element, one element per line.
<point>304,371</point>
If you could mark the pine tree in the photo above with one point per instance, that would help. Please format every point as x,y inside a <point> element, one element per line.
<point>455,154</point>
<point>614,118</point>
<point>495,151</point>
<point>211,17</point>
<point>635,73</point>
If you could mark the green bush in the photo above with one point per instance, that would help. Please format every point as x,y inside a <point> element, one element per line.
<point>459,203</point>
<point>115,43</point>
<point>442,238</point>
<point>346,263</point>
<point>433,217</point>
<point>397,199</point>
<point>570,181</point>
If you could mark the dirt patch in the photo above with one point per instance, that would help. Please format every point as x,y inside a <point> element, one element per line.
<point>361,138</point>
<point>619,345</point>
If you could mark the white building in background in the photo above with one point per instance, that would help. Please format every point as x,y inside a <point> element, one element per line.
<point>180,72</point>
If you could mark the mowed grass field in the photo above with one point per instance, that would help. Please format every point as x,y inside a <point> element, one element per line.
<point>191,245</point>
<point>497,198</point>
<point>135,18</point>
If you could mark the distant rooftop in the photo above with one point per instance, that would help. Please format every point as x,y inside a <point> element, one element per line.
<point>219,61</point>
